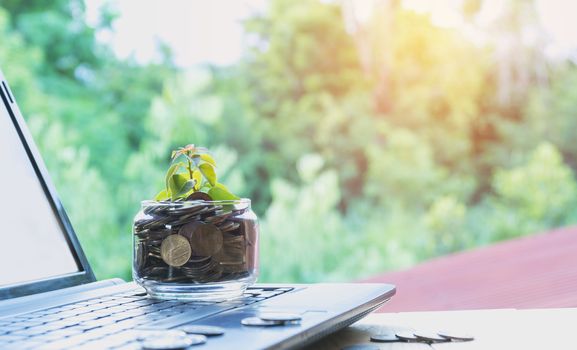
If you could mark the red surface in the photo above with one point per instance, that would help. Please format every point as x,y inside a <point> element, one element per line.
<point>531,272</point>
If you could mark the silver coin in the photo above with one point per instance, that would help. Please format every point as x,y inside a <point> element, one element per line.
<point>384,338</point>
<point>172,343</point>
<point>279,317</point>
<point>429,337</point>
<point>154,333</point>
<point>406,336</point>
<point>456,336</point>
<point>258,322</point>
<point>204,330</point>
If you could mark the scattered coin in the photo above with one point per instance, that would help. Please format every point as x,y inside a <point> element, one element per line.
<point>430,337</point>
<point>204,330</point>
<point>406,336</point>
<point>259,322</point>
<point>456,336</point>
<point>361,347</point>
<point>280,317</point>
<point>153,333</point>
<point>175,250</point>
<point>172,343</point>
<point>384,338</point>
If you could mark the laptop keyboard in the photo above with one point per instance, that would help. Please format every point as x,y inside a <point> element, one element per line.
<point>111,320</point>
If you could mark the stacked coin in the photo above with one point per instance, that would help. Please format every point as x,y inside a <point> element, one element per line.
<point>194,242</point>
<point>428,337</point>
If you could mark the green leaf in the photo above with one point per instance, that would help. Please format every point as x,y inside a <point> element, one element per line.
<point>176,183</point>
<point>208,158</point>
<point>171,171</point>
<point>220,193</point>
<point>162,195</point>
<point>186,189</point>
<point>208,172</point>
<point>205,187</point>
<point>197,176</point>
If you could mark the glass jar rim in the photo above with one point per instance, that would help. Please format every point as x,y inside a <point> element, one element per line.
<point>149,202</point>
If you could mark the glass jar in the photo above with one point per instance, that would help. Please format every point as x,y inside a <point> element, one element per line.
<point>195,249</point>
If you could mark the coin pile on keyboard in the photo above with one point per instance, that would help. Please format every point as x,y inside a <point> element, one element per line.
<point>193,242</point>
<point>169,340</point>
<point>271,319</point>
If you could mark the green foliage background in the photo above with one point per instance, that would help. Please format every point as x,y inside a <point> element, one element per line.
<point>355,168</point>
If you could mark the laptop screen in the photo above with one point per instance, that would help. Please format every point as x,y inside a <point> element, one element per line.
<point>34,244</point>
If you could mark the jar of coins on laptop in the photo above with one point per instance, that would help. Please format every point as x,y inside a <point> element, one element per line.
<point>195,240</point>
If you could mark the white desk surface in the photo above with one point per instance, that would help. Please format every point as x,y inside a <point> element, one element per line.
<point>492,329</point>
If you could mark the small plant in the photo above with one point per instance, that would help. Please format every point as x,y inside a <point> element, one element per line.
<point>192,175</point>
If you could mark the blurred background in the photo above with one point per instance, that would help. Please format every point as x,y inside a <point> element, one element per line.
<point>371,135</point>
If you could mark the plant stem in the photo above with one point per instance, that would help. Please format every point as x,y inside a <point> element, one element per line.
<point>189,168</point>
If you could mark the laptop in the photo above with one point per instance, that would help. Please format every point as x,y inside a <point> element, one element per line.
<point>50,298</point>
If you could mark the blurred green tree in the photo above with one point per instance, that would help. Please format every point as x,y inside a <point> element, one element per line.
<point>363,148</point>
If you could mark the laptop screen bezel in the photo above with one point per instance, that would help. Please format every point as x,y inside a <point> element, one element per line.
<point>85,274</point>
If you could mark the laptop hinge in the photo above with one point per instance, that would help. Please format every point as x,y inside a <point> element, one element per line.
<point>63,296</point>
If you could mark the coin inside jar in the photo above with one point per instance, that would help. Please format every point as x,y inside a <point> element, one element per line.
<point>175,250</point>
<point>199,196</point>
<point>205,239</point>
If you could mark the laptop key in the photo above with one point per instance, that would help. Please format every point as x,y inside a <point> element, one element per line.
<point>119,327</point>
<point>105,343</point>
<point>11,328</point>
<point>98,323</point>
<point>47,327</point>
<point>66,323</point>
<point>67,343</point>
<point>84,327</point>
<point>52,317</point>
<point>92,308</point>
<point>146,301</point>
<point>30,344</point>
<point>23,317</point>
<point>130,346</point>
<point>75,340</point>
<point>98,314</point>
<point>147,318</point>
<point>30,332</point>
<point>10,338</point>
<point>29,323</point>
<point>53,336</point>
<point>157,307</point>
<point>131,323</point>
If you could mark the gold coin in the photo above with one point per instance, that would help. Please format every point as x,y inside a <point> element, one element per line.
<point>175,250</point>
